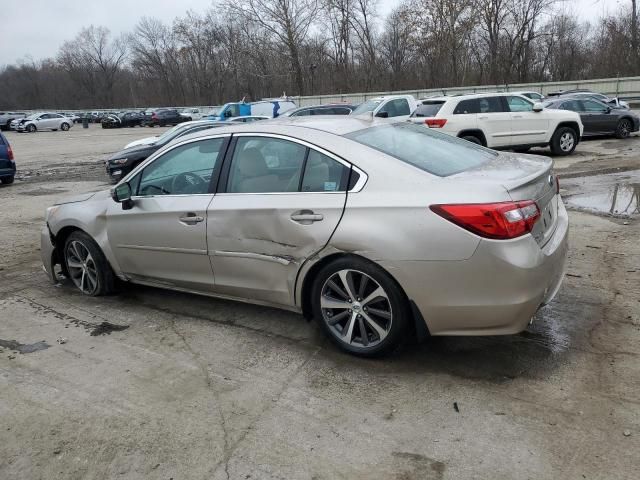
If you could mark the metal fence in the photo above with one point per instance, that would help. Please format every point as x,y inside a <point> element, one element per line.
<point>627,88</point>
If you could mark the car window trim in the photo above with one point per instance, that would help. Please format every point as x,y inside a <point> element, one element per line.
<point>162,151</point>
<point>226,167</point>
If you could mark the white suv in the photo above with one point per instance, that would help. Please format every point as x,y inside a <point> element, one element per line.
<point>501,121</point>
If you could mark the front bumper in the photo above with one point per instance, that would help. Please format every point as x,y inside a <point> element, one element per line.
<point>48,253</point>
<point>495,292</point>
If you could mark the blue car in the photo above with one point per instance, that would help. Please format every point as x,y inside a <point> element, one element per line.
<point>7,164</point>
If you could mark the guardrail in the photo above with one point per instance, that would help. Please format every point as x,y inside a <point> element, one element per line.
<point>626,88</point>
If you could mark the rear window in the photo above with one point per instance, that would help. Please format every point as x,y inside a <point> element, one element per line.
<point>428,109</point>
<point>433,152</point>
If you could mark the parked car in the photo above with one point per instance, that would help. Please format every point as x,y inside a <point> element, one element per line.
<point>44,121</point>
<point>328,109</point>
<point>503,121</point>
<point>597,117</point>
<point>288,214</point>
<point>121,163</point>
<point>269,108</point>
<point>164,117</point>
<point>126,119</point>
<point>7,162</point>
<point>71,116</point>
<point>612,102</point>
<point>391,106</point>
<point>7,117</point>
<point>535,96</point>
<point>191,114</point>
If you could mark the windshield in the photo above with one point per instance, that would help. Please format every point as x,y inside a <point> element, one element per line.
<point>169,134</point>
<point>33,116</point>
<point>368,106</point>
<point>433,152</point>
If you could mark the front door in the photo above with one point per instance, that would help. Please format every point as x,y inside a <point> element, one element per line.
<point>162,239</point>
<point>528,127</point>
<point>595,117</point>
<point>280,203</point>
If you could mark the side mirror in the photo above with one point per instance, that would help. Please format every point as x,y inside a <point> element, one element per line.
<point>608,110</point>
<point>382,114</point>
<point>538,107</point>
<point>122,194</point>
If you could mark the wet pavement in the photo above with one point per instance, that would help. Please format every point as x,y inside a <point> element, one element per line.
<point>157,385</point>
<point>615,194</point>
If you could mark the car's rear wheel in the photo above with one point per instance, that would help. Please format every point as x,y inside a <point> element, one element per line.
<point>360,307</point>
<point>7,180</point>
<point>64,127</point>
<point>31,128</point>
<point>623,129</point>
<point>564,141</point>
<point>472,139</point>
<point>87,266</point>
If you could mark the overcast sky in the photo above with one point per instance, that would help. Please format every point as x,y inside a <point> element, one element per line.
<point>37,28</point>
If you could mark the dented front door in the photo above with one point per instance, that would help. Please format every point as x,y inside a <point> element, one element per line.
<point>257,242</point>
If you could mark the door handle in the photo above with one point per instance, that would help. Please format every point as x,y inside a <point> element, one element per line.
<point>191,218</point>
<point>306,217</point>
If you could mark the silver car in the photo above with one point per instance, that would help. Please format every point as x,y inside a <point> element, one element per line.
<point>381,231</point>
<point>44,121</point>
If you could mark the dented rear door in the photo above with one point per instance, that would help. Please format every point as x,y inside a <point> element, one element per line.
<point>257,241</point>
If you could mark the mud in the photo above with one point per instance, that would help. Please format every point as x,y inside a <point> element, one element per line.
<point>23,348</point>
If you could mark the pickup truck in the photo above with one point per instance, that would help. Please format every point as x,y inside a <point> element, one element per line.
<point>6,117</point>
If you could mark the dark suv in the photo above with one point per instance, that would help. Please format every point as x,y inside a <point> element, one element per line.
<point>163,118</point>
<point>7,164</point>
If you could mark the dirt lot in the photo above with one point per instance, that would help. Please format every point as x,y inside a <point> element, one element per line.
<point>196,388</point>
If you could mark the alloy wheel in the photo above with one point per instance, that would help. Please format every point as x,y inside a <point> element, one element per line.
<point>82,268</point>
<point>356,308</point>
<point>624,129</point>
<point>566,142</point>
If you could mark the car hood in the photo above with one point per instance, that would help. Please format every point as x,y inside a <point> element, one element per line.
<point>142,141</point>
<point>83,197</point>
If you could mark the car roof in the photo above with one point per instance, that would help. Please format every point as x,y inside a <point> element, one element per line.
<point>334,124</point>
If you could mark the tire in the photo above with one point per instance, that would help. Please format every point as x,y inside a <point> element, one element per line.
<point>6,180</point>
<point>472,139</point>
<point>384,330</point>
<point>564,141</point>
<point>623,129</point>
<point>31,128</point>
<point>81,257</point>
<point>64,127</point>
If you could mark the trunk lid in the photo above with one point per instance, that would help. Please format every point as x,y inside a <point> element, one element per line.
<point>525,177</point>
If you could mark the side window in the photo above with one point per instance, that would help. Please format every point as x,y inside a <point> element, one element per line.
<point>184,170</point>
<point>324,174</point>
<point>591,106</point>
<point>340,111</point>
<point>265,165</point>
<point>490,105</point>
<point>517,104</point>
<point>303,113</point>
<point>467,106</point>
<point>573,105</point>
<point>397,107</point>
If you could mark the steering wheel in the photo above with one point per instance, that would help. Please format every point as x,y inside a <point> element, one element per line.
<point>187,182</point>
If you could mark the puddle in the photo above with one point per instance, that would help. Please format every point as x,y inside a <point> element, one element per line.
<point>105,328</point>
<point>24,348</point>
<point>615,194</point>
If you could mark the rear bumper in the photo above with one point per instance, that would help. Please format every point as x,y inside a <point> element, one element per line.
<point>495,292</point>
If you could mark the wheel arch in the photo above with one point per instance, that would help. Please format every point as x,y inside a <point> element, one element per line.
<point>572,125</point>
<point>473,132</point>
<point>419,329</point>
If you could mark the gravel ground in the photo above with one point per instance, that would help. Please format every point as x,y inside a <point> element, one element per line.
<point>191,387</point>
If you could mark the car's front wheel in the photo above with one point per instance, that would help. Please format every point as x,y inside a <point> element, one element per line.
<point>31,128</point>
<point>64,127</point>
<point>623,129</point>
<point>564,141</point>
<point>360,307</point>
<point>87,266</point>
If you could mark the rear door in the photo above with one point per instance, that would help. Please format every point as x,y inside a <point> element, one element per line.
<point>528,127</point>
<point>494,119</point>
<point>596,116</point>
<point>279,202</point>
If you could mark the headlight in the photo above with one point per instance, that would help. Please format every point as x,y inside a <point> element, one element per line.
<point>51,211</point>
<point>118,161</point>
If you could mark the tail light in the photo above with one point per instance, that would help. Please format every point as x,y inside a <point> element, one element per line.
<point>499,221</point>
<point>435,122</point>
<point>10,152</point>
